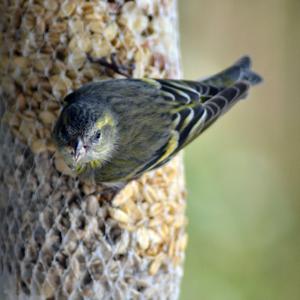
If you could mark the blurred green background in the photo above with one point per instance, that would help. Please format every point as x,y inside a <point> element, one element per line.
<point>243,173</point>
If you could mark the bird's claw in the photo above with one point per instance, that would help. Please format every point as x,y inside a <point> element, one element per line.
<point>114,65</point>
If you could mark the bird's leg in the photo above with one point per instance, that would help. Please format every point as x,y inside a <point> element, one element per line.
<point>114,65</point>
<point>110,191</point>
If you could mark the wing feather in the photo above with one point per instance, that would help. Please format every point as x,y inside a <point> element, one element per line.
<point>186,92</point>
<point>192,117</point>
<point>218,105</point>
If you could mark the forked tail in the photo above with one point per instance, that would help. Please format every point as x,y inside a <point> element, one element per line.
<point>239,71</point>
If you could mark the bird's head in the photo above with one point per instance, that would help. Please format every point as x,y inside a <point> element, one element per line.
<point>85,136</point>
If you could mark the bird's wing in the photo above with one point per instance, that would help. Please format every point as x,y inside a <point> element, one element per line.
<point>183,92</point>
<point>194,120</point>
<point>192,117</point>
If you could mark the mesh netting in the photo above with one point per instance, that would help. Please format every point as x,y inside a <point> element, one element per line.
<point>60,238</point>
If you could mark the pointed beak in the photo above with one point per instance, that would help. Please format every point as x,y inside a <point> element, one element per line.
<point>78,149</point>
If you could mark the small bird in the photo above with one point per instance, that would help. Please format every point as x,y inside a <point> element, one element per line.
<point>113,131</point>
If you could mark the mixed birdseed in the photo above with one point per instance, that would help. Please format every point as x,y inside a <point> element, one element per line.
<point>61,238</point>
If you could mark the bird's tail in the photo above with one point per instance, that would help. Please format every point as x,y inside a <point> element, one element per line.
<point>239,71</point>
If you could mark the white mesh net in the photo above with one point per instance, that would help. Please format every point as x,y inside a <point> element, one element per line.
<point>60,238</point>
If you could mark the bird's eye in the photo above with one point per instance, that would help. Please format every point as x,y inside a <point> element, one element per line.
<point>97,135</point>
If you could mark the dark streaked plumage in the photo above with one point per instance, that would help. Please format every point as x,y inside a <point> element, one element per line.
<point>142,123</point>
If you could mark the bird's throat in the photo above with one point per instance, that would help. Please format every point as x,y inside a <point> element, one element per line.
<point>93,164</point>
